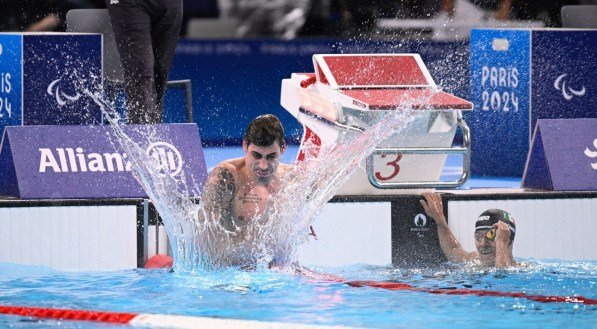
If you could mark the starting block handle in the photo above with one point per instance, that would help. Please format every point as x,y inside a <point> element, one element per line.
<point>466,165</point>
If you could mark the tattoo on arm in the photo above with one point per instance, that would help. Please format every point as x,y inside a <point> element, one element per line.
<point>226,182</point>
<point>220,188</point>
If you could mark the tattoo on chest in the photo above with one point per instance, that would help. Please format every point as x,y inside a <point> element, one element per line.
<point>249,198</point>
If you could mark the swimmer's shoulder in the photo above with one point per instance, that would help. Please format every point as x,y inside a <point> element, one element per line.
<point>225,170</point>
<point>231,165</point>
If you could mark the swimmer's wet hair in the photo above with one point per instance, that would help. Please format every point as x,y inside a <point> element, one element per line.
<point>264,130</point>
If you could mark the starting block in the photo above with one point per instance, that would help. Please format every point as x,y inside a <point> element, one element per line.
<point>349,91</point>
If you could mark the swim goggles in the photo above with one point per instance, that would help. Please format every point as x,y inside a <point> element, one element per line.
<point>489,235</point>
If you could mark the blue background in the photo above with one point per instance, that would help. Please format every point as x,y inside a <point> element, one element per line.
<point>53,56</point>
<point>559,52</point>
<point>236,80</point>
<point>501,139</point>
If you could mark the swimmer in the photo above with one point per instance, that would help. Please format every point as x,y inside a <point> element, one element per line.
<point>239,190</point>
<point>494,235</point>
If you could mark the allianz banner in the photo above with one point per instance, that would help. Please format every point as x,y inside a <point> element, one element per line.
<point>42,76</point>
<point>68,162</point>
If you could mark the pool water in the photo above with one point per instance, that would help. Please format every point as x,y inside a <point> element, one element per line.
<point>267,295</point>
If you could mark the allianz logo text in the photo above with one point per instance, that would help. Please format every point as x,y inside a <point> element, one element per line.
<point>71,160</point>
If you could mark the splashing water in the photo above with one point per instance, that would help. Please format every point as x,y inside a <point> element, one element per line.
<point>202,243</point>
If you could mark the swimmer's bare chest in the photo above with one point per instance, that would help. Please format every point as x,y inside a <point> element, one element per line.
<point>250,202</point>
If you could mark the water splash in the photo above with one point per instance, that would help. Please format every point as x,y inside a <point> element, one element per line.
<point>273,238</point>
<point>200,243</point>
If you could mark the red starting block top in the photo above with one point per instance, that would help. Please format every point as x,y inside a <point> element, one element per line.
<point>387,70</point>
<point>385,81</point>
<point>424,99</point>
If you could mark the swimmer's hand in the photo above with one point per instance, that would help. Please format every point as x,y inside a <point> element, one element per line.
<point>433,206</point>
<point>502,232</point>
<point>503,254</point>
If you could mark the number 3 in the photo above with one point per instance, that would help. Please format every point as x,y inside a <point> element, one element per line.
<point>392,164</point>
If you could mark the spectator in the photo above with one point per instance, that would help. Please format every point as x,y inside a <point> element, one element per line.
<point>39,15</point>
<point>546,11</point>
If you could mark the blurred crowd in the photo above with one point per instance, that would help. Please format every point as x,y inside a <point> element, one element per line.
<point>338,17</point>
<point>293,18</point>
<point>40,15</point>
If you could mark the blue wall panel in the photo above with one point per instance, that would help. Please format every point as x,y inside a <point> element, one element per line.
<point>236,80</point>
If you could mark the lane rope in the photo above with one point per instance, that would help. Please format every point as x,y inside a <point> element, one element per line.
<point>475,292</point>
<point>184,322</point>
<point>151,320</point>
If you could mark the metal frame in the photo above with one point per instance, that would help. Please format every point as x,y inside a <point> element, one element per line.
<point>186,85</point>
<point>112,88</point>
<point>465,150</point>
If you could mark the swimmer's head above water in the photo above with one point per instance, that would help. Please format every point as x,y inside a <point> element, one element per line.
<point>493,227</point>
<point>264,144</point>
<point>494,235</point>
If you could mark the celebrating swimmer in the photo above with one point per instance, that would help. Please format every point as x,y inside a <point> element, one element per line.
<point>238,192</point>
<point>494,235</point>
<point>239,188</point>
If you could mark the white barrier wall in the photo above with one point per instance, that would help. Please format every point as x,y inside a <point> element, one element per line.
<point>545,228</point>
<point>74,238</point>
<point>116,235</point>
<point>350,233</point>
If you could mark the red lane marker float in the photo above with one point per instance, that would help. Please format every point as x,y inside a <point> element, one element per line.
<point>475,292</point>
<point>66,314</point>
<point>152,320</point>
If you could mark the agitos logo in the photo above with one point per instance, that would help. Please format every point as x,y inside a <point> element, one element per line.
<point>592,154</point>
<point>61,97</point>
<point>567,91</point>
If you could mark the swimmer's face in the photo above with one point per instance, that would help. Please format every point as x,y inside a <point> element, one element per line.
<point>485,243</point>
<point>263,161</point>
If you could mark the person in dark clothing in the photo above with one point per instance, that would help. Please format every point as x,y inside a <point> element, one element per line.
<point>146,34</point>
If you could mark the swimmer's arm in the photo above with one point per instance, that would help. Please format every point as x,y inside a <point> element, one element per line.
<point>449,244</point>
<point>219,191</point>
<point>451,247</point>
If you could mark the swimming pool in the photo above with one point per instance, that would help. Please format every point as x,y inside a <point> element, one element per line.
<point>271,296</point>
